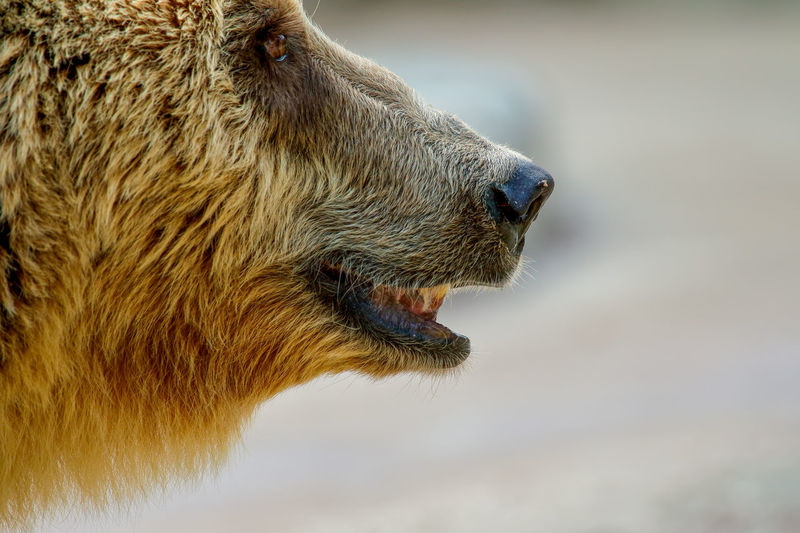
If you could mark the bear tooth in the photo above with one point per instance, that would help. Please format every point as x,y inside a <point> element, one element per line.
<point>434,296</point>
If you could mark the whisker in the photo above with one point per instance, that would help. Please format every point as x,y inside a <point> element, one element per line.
<point>315,9</point>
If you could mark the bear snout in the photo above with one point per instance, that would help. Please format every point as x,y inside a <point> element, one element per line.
<point>515,203</point>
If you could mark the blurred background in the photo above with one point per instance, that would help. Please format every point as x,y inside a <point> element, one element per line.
<point>644,374</point>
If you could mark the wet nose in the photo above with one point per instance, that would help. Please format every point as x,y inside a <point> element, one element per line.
<point>515,203</point>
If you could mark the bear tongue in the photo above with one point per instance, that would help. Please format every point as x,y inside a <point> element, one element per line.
<point>424,303</point>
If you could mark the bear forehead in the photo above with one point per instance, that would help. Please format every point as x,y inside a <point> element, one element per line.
<point>235,6</point>
<point>275,4</point>
<point>39,14</point>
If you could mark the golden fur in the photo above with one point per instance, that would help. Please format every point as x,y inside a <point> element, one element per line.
<point>164,192</point>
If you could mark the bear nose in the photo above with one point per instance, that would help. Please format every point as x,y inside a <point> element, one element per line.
<point>516,203</point>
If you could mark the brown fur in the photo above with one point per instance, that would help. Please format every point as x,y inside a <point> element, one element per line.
<point>166,190</point>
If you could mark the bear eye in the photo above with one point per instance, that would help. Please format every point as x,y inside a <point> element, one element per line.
<point>276,47</point>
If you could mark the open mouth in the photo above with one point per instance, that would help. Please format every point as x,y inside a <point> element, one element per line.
<point>405,318</point>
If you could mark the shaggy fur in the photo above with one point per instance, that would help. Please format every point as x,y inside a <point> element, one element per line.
<point>168,192</point>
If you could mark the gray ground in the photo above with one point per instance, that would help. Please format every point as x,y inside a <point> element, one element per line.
<point>645,375</point>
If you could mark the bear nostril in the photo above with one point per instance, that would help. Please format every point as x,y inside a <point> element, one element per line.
<point>503,206</point>
<point>515,203</point>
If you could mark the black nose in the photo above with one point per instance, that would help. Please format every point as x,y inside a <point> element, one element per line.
<point>515,204</point>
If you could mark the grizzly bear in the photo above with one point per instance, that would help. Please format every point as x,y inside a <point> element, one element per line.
<point>204,202</point>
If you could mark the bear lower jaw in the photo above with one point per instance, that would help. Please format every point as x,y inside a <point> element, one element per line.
<point>402,319</point>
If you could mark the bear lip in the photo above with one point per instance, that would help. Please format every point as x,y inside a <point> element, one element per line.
<point>399,315</point>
